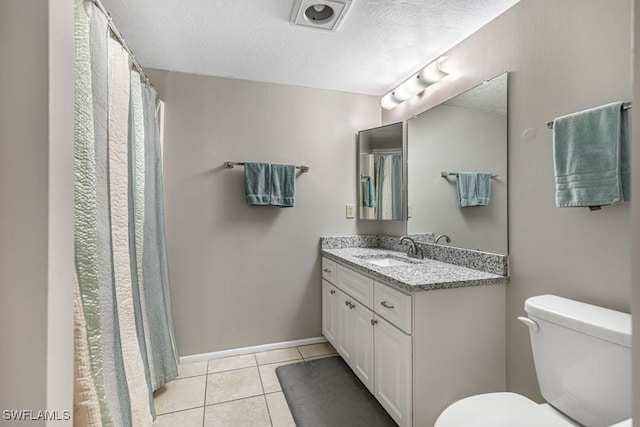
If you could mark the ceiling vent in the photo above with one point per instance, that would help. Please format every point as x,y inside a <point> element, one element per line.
<point>321,14</point>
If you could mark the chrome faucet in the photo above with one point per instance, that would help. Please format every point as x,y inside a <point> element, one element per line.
<point>446,238</point>
<point>415,251</point>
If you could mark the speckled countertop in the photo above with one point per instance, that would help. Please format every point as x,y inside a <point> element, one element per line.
<point>419,275</point>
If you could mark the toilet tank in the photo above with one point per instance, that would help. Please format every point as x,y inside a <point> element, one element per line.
<point>582,355</point>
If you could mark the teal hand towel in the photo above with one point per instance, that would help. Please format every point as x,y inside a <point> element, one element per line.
<point>591,157</point>
<point>473,189</point>
<point>257,183</point>
<point>368,192</point>
<point>283,185</point>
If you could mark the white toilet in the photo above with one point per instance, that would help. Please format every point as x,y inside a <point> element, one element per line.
<point>582,355</point>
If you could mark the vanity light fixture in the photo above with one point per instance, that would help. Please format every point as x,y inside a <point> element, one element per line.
<point>414,84</point>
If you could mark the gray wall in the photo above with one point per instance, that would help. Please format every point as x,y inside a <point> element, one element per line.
<point>23,204</point>
<point>241,275</point>
<point>563,56</point>
<point>455,139</point>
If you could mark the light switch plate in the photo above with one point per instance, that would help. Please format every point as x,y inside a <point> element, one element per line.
<point>350,211</point>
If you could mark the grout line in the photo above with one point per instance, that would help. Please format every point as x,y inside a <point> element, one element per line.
<point>232,369</point>
<point>204,404</point>
<point>264,396</point>
<point>179,410</point>
<point>235,400</point>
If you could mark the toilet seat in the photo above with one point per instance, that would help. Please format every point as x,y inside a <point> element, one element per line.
<point>499,410</point>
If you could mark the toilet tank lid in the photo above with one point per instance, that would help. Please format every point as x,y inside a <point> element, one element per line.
<point>599,322</point>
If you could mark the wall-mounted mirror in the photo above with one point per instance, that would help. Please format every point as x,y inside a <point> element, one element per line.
<point>380,171</point>
<point>466,134</point>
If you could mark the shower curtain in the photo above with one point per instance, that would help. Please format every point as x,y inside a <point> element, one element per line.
<point>389,186</point>
<point>124,338</point>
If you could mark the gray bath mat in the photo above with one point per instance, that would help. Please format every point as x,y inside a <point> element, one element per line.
<point>325,392</point>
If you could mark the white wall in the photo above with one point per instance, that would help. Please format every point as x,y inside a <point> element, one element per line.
<point>61,210</point>
<point>23,204</point>
<point>455,139</point>
<point>564,56</point>
<point>36,207</point>
<point>241,275</point>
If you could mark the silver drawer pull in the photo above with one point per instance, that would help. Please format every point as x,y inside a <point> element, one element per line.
<point>352,306</point>
<point>386,304</point>
<point>332,291</point>
<point>373,321</point>
<point>347,303</point>
<point>326,270</point>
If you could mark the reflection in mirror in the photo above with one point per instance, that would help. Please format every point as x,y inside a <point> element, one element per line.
<point>466,135</point>
<point>380,172</point>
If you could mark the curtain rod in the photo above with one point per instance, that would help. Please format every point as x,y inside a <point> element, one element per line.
<point>122,41</point>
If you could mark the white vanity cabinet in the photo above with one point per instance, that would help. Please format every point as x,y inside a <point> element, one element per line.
<point>392,355</point>
<point>377,351</point>
<point>417,353</point>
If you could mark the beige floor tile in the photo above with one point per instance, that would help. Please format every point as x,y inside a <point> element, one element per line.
<point>179,395</point>
<point>308,359</point>
<point>188,418</point>
<point>270,381</point>
<point>251,412</point>
<point>232,385</point>
<point>230,363</point>
<point>187,370</point>
<point>279,410</point>
<point>281,355</point>
<point>315,350</point>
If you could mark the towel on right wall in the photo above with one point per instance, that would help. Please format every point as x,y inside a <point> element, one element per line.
<point>591,157</point>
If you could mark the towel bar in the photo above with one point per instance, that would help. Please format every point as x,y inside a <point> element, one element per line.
<point>448,174</point>
<point>230,165</point>
<point>625,106</point>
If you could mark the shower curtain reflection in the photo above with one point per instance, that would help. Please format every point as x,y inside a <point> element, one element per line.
<point>388,169</point>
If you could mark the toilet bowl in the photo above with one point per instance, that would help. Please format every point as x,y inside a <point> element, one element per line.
<point>501,410</point>
<point>582,355</point>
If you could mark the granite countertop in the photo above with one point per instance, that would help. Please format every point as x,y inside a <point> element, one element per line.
<point>418,275</point>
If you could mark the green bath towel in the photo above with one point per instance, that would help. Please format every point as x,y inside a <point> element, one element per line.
<point>591,157</point>
<point>257,183</point>
<point>283,185</point>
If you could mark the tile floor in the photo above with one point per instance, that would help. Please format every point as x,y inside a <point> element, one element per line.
<point>237,391</point>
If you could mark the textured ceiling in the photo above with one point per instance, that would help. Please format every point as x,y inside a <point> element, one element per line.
<point>490,96</point>
<point>379,44</point>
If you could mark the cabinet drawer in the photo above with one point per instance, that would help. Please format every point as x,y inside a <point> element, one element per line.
<point>356,285</point>
<point>329,270</point>
<point>393,306</point>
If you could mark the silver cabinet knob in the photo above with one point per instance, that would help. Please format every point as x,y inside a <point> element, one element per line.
<point>352,306</point>
<point>326,270</point>
<point>373,322</point>
<point>347,303</point>
<point>332,291</point>
<point>386,304</point>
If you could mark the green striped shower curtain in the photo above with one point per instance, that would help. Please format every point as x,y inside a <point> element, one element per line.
<point>388,186</point>
<point>124,338</point>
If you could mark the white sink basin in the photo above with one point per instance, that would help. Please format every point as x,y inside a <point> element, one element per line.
<point>388,262</point>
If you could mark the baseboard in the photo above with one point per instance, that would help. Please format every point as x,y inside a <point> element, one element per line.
<point>246,350</point>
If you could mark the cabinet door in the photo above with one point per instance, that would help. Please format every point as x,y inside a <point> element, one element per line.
<point>344,326</point>
<point>392,356</point>
<point>329,296</point>
<point>362,354</point>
